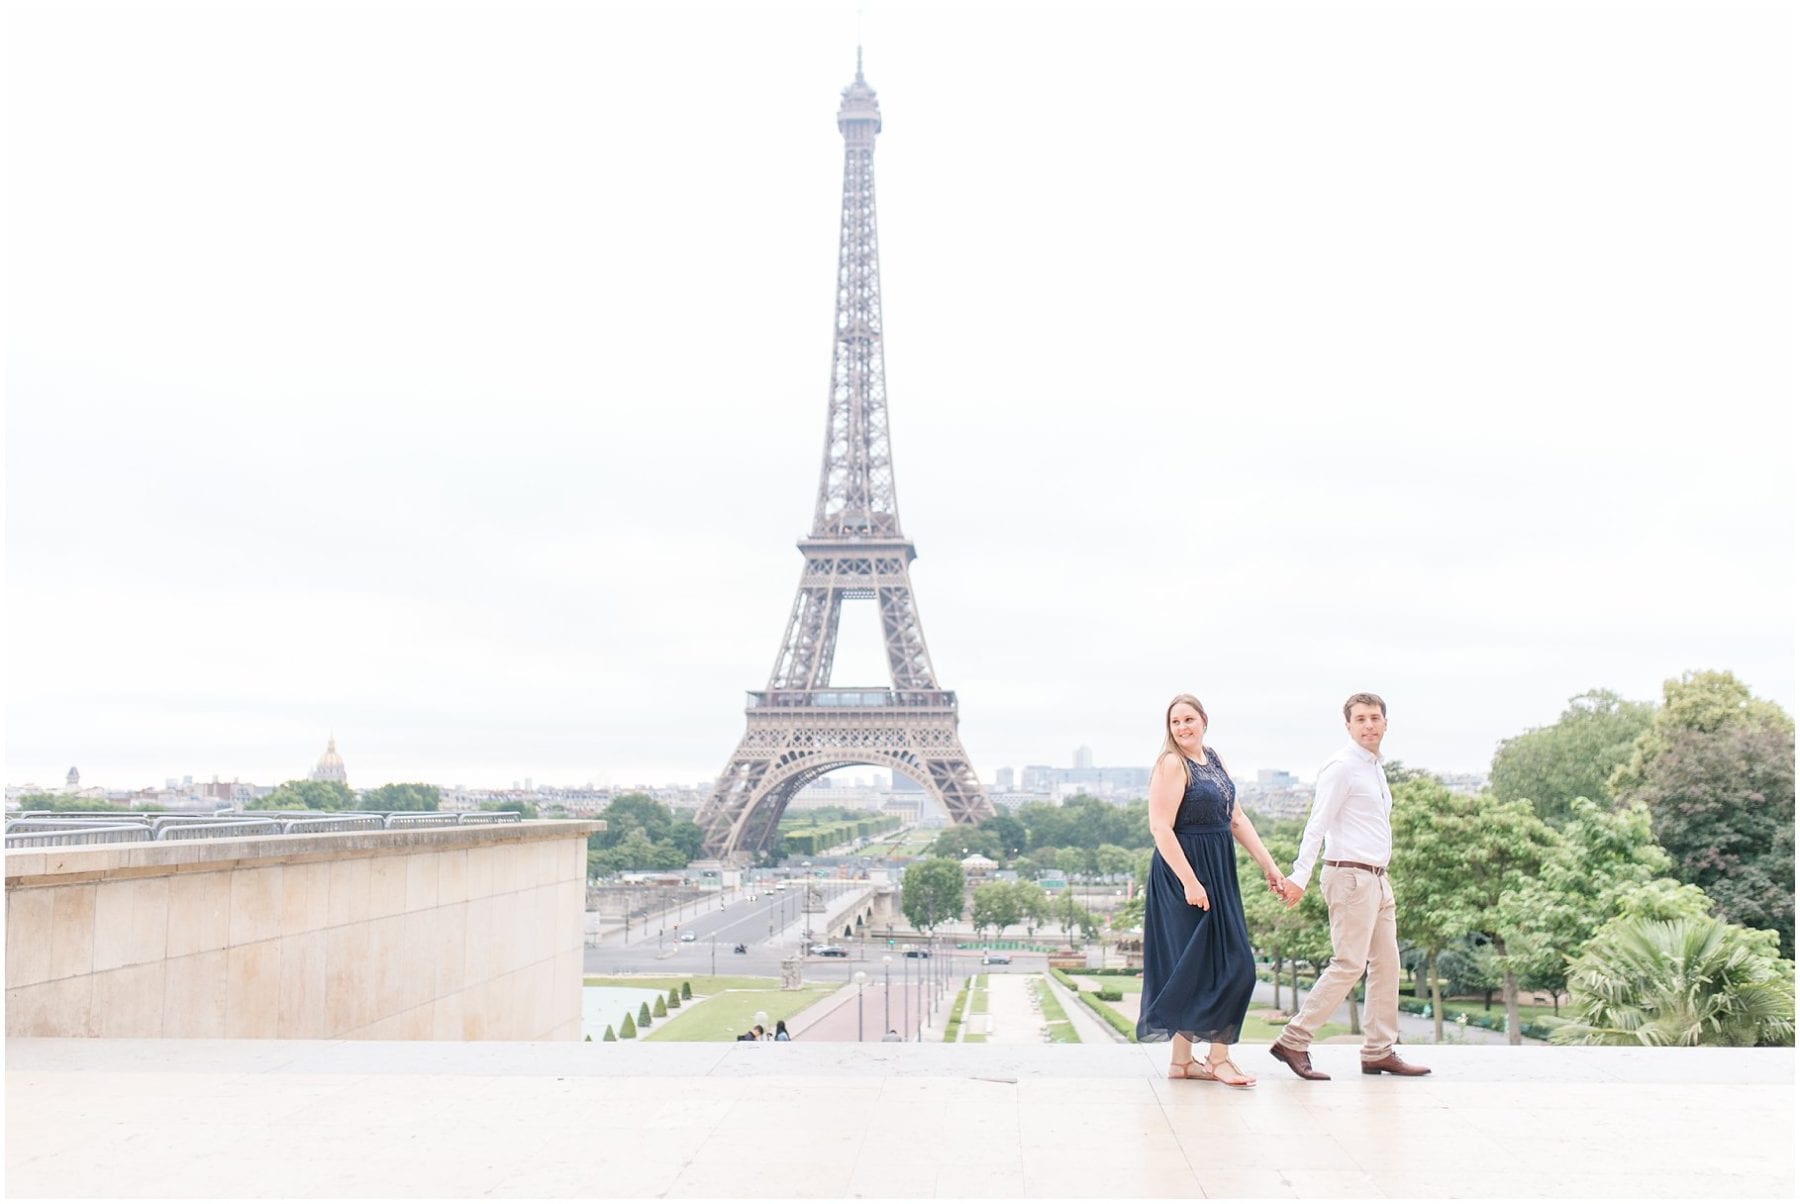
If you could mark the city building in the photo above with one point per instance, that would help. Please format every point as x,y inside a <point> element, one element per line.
<point>330,766</point>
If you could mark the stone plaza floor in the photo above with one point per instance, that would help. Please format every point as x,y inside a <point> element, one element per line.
<point>213,1119</point>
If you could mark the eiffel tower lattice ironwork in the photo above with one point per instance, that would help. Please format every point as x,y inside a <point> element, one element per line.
<point>802,726</point>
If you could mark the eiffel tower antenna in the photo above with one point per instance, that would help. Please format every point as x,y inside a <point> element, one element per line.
<point>801,726</point>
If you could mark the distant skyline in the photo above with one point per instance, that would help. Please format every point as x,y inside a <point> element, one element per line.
<point>452,378</point>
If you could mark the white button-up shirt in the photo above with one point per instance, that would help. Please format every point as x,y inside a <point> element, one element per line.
<point>1349,813</point>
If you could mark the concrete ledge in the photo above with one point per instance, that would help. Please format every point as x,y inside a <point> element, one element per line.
<point>37,867</point>
<point>737,1120</point>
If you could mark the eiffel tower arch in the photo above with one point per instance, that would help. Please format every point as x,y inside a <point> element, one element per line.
<point>801,726</point>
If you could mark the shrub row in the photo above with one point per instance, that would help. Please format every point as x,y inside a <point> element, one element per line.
<point>1495,1023</point>
<point>1122,1026</point>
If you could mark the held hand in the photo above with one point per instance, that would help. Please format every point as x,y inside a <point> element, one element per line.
<point>1196,896</point>
<point>1272,876</point>
<point>1291,891</point>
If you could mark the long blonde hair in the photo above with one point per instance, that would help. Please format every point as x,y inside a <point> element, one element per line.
<point>1169,745</point>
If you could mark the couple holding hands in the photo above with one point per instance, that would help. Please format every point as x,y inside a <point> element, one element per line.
<point>1198,969</point>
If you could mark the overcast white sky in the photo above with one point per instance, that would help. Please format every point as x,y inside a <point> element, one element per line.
<point>453,377</point>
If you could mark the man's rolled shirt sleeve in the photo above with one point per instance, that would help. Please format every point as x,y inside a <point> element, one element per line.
<point>1329,793</point>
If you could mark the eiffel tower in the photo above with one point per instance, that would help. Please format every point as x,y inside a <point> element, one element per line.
<point>802,726</point>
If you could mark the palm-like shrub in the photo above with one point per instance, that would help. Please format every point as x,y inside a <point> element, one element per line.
<point>1688,981</point>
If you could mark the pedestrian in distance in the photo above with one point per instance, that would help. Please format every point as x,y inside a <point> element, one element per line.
<point>1198,969</point>
<point>781,1033</point>
<point>1350,820</point>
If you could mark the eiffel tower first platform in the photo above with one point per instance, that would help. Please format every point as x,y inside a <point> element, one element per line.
<point>801,726</point>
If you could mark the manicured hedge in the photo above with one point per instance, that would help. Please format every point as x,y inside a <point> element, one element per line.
<point>1122,1026</point>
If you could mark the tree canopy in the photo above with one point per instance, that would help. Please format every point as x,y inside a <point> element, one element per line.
<point>931,893</point>
<point>1716,770</point>
<point>301,794</point>
<point>1575,757</point>
<point>1687,981</point>
<point>400,796</point>
<point>642,834</point>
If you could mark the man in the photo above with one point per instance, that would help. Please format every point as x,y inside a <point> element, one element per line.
<point>1350,817</point>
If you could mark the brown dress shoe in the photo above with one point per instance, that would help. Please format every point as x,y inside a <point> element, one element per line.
<point>1393,1065</point>
<point>1298,1061</point>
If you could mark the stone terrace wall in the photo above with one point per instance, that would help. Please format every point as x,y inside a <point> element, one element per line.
<point>449,934</point>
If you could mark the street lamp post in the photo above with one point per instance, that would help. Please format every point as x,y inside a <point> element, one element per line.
<point>860,979</point>
<point>887,962</point>
<point>906,994</point>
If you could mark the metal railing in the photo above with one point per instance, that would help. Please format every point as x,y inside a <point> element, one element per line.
<point>87,834</point>
<point>39,829</point>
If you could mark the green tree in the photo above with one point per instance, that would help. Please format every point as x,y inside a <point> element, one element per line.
<point>628,1029</point>
<point>958,842</point>
<point>400,796</point>
<point>661,1009</point>
<point>1602,855</point>
<point>674,998</point>
<point>994,905</point>
<point>1575,757</point>
<point>931,893</point>
<point>1034,904</point>
<point>1716,770</point>
<point>1276,930</point>
<point>1689,981</point>
<point>1010,835</point>
<point>643,1016</point>
<point>1434,905</point>
<point>526,810</point>
<point>610,1035</point>
<point>1128,917</point>
<point>687,990</point>
<point>1503,846</point>
<point>47,801</point>
<point>1112,859</point>
<point>1665,899</point>
<point>299,795</point>
<point>1077,859</point>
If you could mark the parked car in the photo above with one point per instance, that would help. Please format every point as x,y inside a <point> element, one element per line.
<point>996,959</point>
<point>830,951</point>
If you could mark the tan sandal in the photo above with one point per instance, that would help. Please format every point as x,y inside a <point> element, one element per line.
<point>1210,1071</point>
<point>1185,1070</point>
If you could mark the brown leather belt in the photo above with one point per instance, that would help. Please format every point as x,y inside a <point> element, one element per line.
<point>1357,865</point>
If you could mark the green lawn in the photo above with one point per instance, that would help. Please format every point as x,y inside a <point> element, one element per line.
<point>1061,1031</point>
<point>702,984</point>
<point>1262,1030</point>
<point>1527,1011</point>
<point>1254,1031</point>
<point>723,1016</point>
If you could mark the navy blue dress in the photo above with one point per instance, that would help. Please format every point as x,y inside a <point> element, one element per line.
<point>1198,971</point>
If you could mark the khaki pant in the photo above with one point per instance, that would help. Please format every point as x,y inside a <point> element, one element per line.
<point>1362,936</point>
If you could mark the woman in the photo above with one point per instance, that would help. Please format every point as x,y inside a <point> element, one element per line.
<point>1198,972</point>
<point>781,1033</point>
